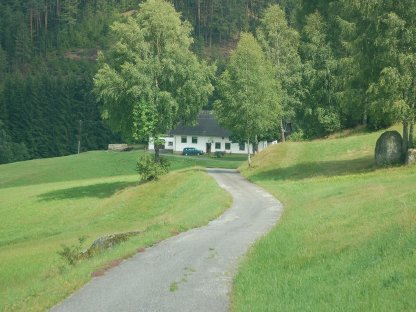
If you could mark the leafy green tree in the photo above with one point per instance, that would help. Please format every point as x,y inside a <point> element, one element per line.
<point>393,95</point>
<point>249,103</point>
<point>320,113</point>
<point>149,80</point>
<point>358,23</point>
<point>281,43</point>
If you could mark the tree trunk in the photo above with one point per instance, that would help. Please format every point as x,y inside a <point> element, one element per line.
<point>248,153</point>
<point>282,131</point>
<point>198,5</point>
<point>256,145</point>
<point>412,121</point>
<point>411,131</point>
<point>405,137</point>
<point>31,24</point>
<point>157,154</point>
<point>365,117</point>
<point>46,20</point>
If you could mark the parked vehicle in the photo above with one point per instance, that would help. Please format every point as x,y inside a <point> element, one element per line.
<point>191,151</point>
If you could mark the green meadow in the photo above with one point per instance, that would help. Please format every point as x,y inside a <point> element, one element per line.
<point>347,237</point>
<point>47,203</point>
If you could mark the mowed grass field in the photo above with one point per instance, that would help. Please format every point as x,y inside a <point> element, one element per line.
<point>347,238</point>
<point>48,202</point>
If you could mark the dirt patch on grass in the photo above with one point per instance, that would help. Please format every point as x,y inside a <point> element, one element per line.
<point>109,266</point>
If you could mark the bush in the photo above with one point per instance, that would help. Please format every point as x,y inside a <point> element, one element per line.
<point>72,254</point>
<point>149,169</point>
<point>297,136</point>
<point>329,121</point>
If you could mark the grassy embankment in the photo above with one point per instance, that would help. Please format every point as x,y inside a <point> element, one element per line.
<point>347,238</point>
<point>48,202</point>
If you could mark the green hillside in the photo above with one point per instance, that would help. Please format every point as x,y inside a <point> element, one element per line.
<point>49,202</point>
<point>346,241</point>
<point>95,164</point>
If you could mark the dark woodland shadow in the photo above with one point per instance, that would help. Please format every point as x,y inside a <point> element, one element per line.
<point>102,190</point>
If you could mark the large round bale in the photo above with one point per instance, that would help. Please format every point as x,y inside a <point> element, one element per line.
<point>389,149</point>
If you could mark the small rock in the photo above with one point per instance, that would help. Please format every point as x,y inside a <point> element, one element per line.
<point>389,149</point>
<point>108,241</point>
<point>411,157</point>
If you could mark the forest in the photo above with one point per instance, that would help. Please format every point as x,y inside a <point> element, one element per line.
<point>339,64</point>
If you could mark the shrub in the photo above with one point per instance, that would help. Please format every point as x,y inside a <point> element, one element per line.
<point>297,136</point>
<point>72,254</point>
<point>149,169</point>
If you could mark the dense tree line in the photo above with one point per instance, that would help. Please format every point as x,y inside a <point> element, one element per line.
<point>44,114</point>
<point>339,63</point>
<point>219,22</point>
<point>47,60</point>
<point>370,51</point>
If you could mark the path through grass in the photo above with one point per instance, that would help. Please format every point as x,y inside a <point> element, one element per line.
<point>49,202</point>
<point>347,239</point>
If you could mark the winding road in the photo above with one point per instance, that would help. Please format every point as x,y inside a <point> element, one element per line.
<point>192,271</point>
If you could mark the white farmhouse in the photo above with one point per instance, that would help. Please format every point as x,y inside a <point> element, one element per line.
<point>206,135</point>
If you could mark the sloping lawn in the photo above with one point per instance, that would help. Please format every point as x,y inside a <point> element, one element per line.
<point>347,239</point>
<point>97,164</point>
<point>50,202</point>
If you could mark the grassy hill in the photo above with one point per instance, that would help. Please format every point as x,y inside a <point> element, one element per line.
<point>48,202</point>
<point>96,164</point>
<point>347,239</point>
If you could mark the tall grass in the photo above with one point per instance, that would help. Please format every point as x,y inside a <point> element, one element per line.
<point>347,239</point>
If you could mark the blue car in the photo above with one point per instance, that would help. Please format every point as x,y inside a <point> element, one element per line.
<point>191,151</point>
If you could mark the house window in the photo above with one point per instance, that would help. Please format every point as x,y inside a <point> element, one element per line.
<point>227,146</point>
<point>170,143</point>
<point>242,146</point>
<point>195,140</point>
<point>217,145</point>
<point>184,139</point>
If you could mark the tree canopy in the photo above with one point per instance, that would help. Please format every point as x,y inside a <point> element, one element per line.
<point>249,103</point>
<point>281,45</point>
<point>340,63</point>
<point>150,80</point>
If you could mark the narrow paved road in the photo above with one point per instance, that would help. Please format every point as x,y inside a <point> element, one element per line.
<point>189,272</point>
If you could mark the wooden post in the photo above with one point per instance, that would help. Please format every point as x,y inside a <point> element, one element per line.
<point>79,136</point>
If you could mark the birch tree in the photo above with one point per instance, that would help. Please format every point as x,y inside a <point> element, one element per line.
<point>249,93</point>
<point>280,43</point>
<point>150,80</point>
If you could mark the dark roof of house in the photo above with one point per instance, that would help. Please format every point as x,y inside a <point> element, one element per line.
<point>206,125</point>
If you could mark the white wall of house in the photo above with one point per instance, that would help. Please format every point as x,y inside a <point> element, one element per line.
<point>169,143</point>
<point>218,144</point>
